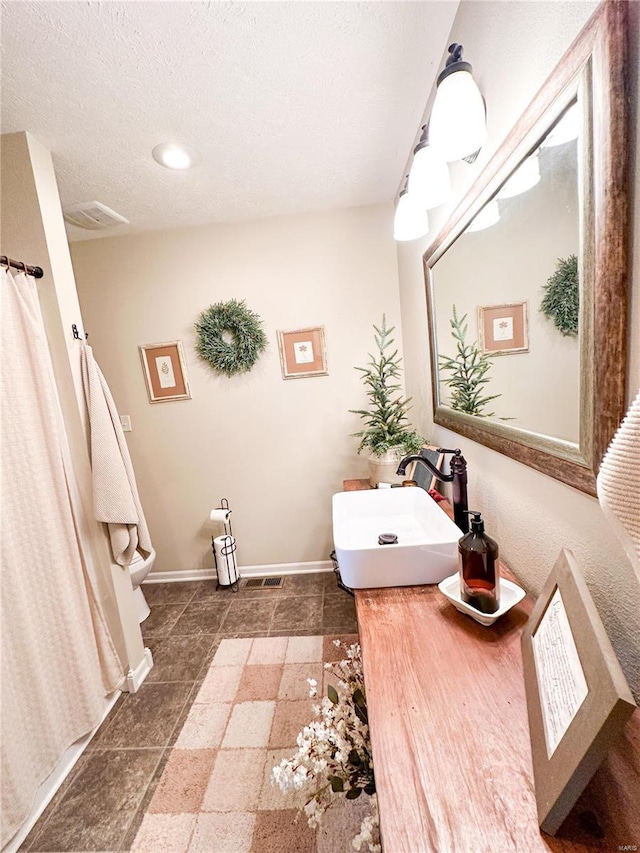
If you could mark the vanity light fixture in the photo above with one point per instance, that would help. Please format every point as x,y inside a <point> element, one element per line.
<point>485,218</point>
<point>429,180</point>
<point>458,126</point>
<point>567,129</point>
<point>411,220</point>
<point>526,176</point>
<point>173,156</point>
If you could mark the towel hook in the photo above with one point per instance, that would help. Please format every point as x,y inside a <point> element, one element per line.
<point>76,334</point>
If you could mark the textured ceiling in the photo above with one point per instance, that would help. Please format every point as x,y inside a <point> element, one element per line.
<point>290,106</point>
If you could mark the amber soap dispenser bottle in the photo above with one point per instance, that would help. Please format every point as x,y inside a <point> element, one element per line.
<point>479,570</point>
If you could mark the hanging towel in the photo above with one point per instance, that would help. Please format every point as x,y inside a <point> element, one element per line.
<point>115,494</point>
<point>619,484</point>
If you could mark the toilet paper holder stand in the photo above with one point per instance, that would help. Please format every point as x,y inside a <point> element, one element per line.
<point>228,552</point>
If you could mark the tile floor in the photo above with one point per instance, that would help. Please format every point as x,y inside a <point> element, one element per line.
<point>103,800</point>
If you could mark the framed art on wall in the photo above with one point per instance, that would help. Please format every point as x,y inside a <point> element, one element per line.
<point>165,372</point>
<point>577,697</point>
<point>503,329</point>
<point>303,352</point>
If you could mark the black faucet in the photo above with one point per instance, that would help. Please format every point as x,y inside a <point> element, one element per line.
<point>457,476</point>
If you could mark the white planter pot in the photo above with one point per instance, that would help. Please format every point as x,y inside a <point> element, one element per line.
<point>382,469</point>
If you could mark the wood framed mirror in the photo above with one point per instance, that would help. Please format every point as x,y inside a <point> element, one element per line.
<point>534,262</point>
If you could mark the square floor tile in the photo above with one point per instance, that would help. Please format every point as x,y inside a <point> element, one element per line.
<point>302,612</point>
<point>170,593</point>
<point>308,584</point>
<point>259,682</point>
<point>164,833</point>
<point>236,781</point>
<point>220,684</point>
<point>268,650</point>
<point>200,617</point>
<point>254,614</point>
<point>162,619</point>
<point>288,721</point>
<point>339,613</point>
<point>223,832</point>
<point>183,782</point>
<point>233,652</point>
<point>147,718</point>
<point>250,725</point>
<point>304,649</point>
<point>204,726</point>
<point>294,684</point>
<point>341,823</point>
<point>280,831</point>
<point>179,658</point>
<point>100,803</point>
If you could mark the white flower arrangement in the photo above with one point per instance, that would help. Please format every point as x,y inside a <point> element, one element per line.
<point>337,749</point>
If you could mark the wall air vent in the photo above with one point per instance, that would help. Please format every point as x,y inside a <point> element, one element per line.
<point>93,215</point>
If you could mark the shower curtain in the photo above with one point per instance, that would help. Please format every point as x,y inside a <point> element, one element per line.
<point>58,659</point>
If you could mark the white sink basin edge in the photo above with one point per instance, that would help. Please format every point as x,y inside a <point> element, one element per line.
<point>427,547</point>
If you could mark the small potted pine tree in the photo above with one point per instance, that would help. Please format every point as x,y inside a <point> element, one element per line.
<point>386,434</point>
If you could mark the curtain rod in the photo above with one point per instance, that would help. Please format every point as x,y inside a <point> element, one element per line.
<point>36,272</point>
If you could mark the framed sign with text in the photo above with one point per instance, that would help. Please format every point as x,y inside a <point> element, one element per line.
<point>577,697</point>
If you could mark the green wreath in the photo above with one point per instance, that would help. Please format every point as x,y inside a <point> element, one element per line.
<point>245,327</point>
<point>561,301</point>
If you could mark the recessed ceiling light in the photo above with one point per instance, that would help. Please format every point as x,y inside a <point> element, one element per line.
<point>172,155</point>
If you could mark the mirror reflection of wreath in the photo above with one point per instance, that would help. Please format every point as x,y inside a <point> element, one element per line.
<point>230,337</point>
<point>561,301</point>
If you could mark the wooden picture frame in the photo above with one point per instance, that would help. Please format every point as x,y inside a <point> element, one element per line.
<point>303,352</point>
<point>577,697</point>
<point>165,372</point>
<point>504,329</point>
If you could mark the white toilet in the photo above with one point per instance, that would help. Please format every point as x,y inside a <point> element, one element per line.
<point>139,568</point>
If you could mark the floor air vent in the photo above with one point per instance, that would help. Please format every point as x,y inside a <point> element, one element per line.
<point>262,583</point>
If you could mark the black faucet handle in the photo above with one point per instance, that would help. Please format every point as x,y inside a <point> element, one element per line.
<point>456,452</point>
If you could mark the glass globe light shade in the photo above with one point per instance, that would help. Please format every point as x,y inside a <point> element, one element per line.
<point>411,220</point>
<point>429,180</point>
<point>488,216</point>
<point>526,176</point>
<point>458,126</point>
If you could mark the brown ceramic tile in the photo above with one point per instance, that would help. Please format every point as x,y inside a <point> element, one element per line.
<point>161,619</point>
<point>339,614</point>
<point>170,593</point>
<point>312,584</point>
<point>147,718</point>
<point>100,802</point>
<point>304,612</point>
<point>143,808</point>
<point>184,781</point>
<point>259,682</point>
<point>94,743</point>
<point>251,615</point>
<point>294,632</point>
<point>276,831</point>
<point>53,804</point>
<point>201,618</point>
<point>331,583</point>
<point>207,589</point>
<point>180,658</point>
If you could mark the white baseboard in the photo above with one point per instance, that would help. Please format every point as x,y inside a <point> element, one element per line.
<point>54,780</point>
<point>134,678</point>
<point>269,570</point>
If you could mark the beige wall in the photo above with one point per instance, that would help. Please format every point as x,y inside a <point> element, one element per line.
<point>276,449</point>
<point>513,47</point>
<point>33,230</point>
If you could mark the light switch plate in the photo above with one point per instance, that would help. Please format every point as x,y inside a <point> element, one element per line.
<point>125,421</point>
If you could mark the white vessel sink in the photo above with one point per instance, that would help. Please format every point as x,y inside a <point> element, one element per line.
<point>427,546</point>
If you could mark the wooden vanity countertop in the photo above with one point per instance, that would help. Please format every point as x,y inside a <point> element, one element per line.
<point>450,736</point>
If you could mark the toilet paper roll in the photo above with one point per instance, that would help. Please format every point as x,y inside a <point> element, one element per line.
<point>226,565</point>
<point>221,515</point>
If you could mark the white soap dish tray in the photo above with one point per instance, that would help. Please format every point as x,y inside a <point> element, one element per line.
<point>510,595</point>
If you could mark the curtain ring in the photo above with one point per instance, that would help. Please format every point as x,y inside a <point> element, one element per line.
<point>24,267</point>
